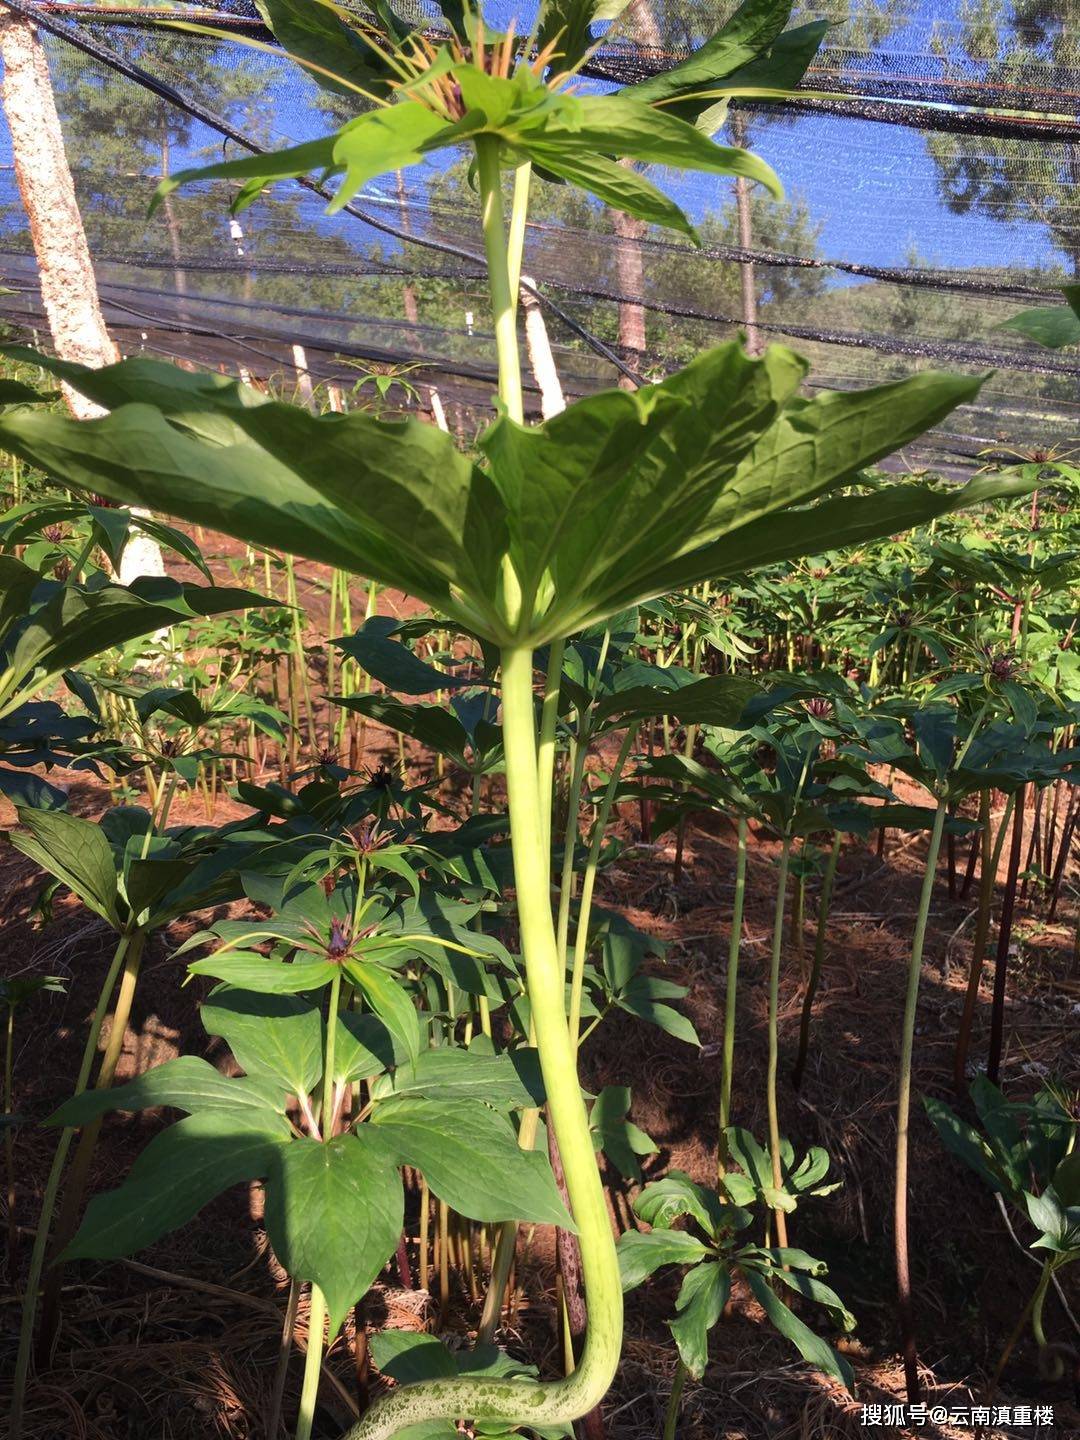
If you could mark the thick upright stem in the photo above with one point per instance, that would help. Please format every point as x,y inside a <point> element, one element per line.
<point>734,949</point>
<point>309,1394</point>
<point>531,1402</point>
<point>903,1113</point>
<point>503,301</point>
<point>774,1041</point>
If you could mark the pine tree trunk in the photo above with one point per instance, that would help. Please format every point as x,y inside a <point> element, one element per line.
<point>68,288</point>
<point>630,273</point>
<point>68,285</point>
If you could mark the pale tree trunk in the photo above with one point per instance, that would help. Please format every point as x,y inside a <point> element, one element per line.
<point>639,23</point>
<point>754,342</point>
<point>630,275</point>
<point>68,287</point>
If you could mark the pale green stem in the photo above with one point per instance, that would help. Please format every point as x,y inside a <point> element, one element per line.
<point>578,754</point>
<point>581,935</point>
<point>531,1402</point>
<point>503,297</point>
<point>48,1202</point>
<point>774,1042</point>
<point>903,1107</point>
<point>671,1418</point>
<point>734,949</point>
<point>549,719</point>
<point>312,1365</point>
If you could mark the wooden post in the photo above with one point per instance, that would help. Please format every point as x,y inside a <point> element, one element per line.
<point>541,359</point>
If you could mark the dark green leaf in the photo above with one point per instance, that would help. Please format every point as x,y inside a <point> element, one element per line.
<point>470,1157</point>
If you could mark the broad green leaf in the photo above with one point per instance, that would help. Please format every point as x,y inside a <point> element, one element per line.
<point>814,1350</point>
<point>664,1201</point>
<point>179,1172</point>
<point>620,498</point>
<point>811,1288</point>
<point>616,185</point>
<point>279,1037</point>
<point>622,125</point>
<point>702,1298</point>
<point>596,494</point>
<point>334,1214</point>
<point>641,1253</point>
<point>1054,326</point>
<point>838,523</point>
<point>392,500</point>
<point>449,1074</point>
<point>250,971</point>
<point>406,1356</point>
<point>76,851</point>
<point>642,998</point>
<point>187,1083</point>
<point>433,725</point>
<point>470,1157</point>
<point>56,627</point>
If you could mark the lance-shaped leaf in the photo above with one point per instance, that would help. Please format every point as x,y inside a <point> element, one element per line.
<point>179,1172</point>
<point>567,24</point>
<point>748,35</point>
<point>187,1083</point>
<point>701,1301</point>
<point>77,852</point>
<point>618,499</point>
<point>641,1253</point>
<point>374,648</point>
<point>334,1213</point>
<point>1054,326</point>
<point>47,628</point>
<point>320,33</point>
<point>811,1347</point>
<point>266,976</point>
<point>392,500</point>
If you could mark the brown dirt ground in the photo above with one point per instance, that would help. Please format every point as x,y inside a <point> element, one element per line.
<point>182,1343</point>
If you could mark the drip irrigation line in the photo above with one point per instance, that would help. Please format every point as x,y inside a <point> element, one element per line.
<point>106,56</point>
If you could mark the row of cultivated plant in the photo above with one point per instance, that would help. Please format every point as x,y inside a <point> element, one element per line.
<point>411,969</point>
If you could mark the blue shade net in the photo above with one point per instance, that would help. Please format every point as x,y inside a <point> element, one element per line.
<point>933,195</point>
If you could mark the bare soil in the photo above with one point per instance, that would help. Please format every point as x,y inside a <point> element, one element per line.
<point>181,1343</point>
